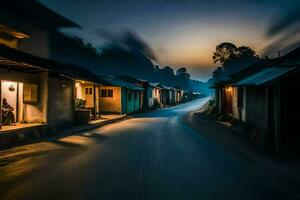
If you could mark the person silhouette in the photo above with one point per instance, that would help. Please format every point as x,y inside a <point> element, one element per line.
<point>8,116</point>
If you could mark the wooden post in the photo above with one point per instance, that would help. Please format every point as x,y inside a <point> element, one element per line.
<point>99,101</point>
<point>0,105</point>
<point>94,96</point>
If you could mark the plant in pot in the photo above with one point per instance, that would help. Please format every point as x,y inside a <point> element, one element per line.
<point>82,115</point>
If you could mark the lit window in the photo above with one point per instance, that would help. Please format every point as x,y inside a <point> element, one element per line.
<point>30,93</point>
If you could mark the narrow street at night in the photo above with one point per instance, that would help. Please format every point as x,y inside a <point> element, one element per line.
<point>154,155</point>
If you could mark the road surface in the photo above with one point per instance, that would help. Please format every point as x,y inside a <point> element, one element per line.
<point>155,155</point>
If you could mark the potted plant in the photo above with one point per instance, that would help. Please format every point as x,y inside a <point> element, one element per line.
<point>82,115</point>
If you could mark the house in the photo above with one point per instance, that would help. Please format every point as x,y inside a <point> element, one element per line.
<point>29,26</point>
<point>178,95</point>
<point>165,95</point>
<point>156,93</point>
<point>148,100</point>
<point>40,91</point>
<point>168,95</point>
<point>119,96</point>
<point>88,90</point>
<point>263,99</point>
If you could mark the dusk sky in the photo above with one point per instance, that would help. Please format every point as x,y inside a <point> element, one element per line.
<point>185,32</point>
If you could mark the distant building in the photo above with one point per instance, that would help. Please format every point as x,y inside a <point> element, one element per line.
<point>120,96</point>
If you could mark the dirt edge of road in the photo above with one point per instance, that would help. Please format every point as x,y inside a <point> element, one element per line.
<point>208,126</point>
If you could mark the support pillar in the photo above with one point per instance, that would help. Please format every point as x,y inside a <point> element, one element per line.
<point>94,98</point>
<point>0,105</point>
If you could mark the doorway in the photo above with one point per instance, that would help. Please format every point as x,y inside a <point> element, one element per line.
<point>13,93</point>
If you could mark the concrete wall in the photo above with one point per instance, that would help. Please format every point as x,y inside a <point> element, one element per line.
<point>60,102</point>
<point>38,42</point>
<point>108,104</point>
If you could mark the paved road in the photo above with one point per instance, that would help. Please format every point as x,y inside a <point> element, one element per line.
<point>156,155</point>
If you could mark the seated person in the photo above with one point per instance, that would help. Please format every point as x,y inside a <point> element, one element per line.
<point>8,116</point>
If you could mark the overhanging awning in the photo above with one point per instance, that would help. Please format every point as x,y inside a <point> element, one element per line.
<point>265,76</point>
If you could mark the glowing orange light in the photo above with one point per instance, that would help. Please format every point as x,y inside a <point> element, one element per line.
<point>229,89</point>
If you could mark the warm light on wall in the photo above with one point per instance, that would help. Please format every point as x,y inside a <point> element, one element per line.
<point>229,89</point>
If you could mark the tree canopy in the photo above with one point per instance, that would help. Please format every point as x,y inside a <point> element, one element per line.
<point>227,52</point>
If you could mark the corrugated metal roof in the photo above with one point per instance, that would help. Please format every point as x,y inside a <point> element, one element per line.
<point>118,82</point>
<point>265,76</point>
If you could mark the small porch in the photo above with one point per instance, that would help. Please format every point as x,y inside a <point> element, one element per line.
<point>88,93</point>
<point>18,126</point>
<point>23,94</point>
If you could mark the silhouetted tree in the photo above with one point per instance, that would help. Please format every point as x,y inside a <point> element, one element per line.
<point>227,54</point>
<point>244,51</point>
<point>182,73</point>
<point>224,52</point>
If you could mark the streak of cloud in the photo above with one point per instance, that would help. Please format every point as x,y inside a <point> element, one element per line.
<point>284,30</point>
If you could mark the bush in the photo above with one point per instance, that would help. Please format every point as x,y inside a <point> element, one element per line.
<point>80,104</point>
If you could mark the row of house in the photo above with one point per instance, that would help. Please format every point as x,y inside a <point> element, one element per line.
<point>263,99</point>
<point>40,89</point>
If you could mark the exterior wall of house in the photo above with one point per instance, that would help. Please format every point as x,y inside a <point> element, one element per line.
<point>235,109</point>
<point>220,99</point>
<point>165,97</point>
<point>244,108</point>
<point>60,102</point>
<point>38,41</point>
<point>35,112</point>
<point>111,104</point>
<point>150,95</point>
<point>178,96</point>
<point>37,44</point>
<point>257,116</point>
<point>137,102</point>
<point>130,101</point>
<point>156,95</point>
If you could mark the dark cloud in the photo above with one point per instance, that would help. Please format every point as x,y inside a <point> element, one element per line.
<point>128,39</point>
<point>281,23</point>
<point>285,43</point>
<point>286,28</point>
